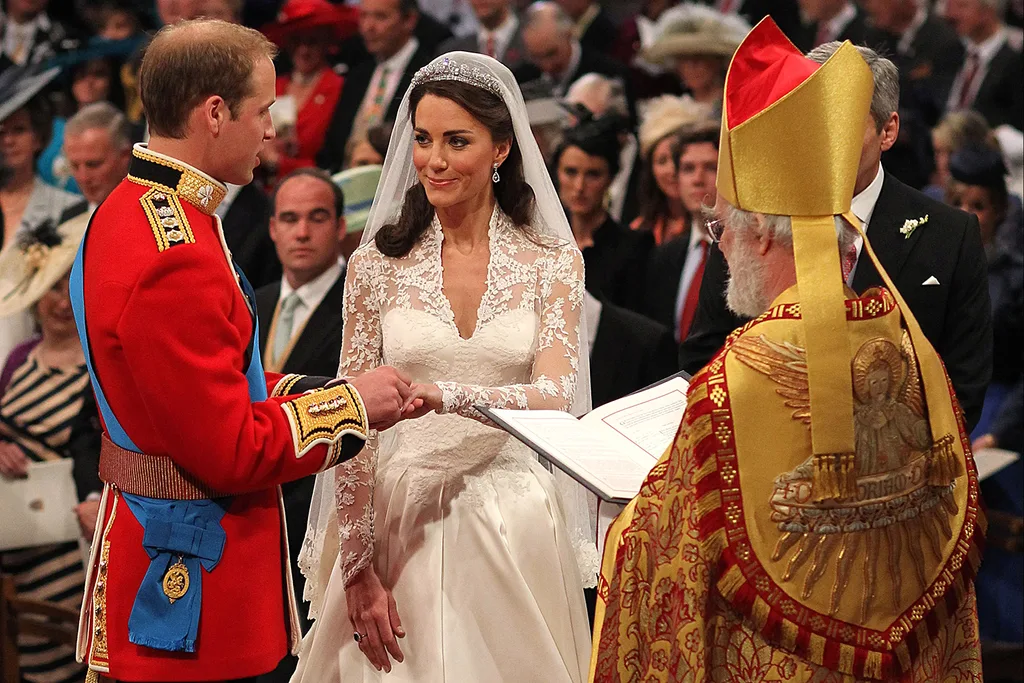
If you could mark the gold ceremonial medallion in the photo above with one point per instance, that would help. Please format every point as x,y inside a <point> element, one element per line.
<point>176,581</point>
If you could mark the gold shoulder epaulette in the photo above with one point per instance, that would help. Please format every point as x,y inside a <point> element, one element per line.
<point>166,218</point>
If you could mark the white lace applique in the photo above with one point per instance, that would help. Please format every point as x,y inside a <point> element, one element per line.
<point>524,353</point>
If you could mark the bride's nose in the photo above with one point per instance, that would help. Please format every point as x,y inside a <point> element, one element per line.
<point>438,162</point>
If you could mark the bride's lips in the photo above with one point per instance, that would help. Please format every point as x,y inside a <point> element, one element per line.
<point>441,182</point>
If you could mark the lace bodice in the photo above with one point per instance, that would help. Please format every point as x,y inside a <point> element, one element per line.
<point>524,353</point>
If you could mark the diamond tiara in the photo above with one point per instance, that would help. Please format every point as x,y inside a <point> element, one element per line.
<point>449,70</point>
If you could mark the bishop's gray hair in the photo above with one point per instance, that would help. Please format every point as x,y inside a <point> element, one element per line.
<point>780,227</point>
<point>101,116</point>
<point>886,97</point>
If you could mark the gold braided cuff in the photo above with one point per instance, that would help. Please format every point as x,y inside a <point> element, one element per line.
<point>323,417</point>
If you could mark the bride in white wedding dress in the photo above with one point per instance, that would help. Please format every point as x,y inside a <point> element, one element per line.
<point>469,281</point>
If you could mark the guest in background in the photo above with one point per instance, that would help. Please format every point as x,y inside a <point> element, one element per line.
<point>245,218</point>
<point>677,266</point>
<point>98,147</point>
<point>662,212</point>
<point>306,30</point>
<point>118,20</point>
<point>26,201</point>
<point>29,36</point>
<point>828,20</point>
<point>499,34</point>
<point>300,322</point>
<point>697,42</point>
<point>374,89</point>
<point>955,131</point>
<point>615,256</point>
<point>47,413</point>
<point>602,96</point>
<point>359,185</point>
<point>556,57</point>
<point>224,10</point>
<point>928,54</point>
<point>91,80</point>
<point>591,24</point>
<point>990,81</point>
<point>369,150</point>
<point>635,35</point>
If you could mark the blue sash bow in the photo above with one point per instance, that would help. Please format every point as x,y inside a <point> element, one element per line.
<point>185,532</point>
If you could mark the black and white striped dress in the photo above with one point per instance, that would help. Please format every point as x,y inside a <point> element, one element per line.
<point>37,412</point>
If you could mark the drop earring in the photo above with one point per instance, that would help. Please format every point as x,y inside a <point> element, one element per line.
<point>495,177</point>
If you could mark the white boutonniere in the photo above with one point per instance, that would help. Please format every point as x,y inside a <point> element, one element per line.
<point>911,224</point>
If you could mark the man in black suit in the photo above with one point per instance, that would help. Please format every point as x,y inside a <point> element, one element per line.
<point>939,267</point>
<point>628,351</point>
<point>785,13</point>
<point>554,55</point>
<point>593,27</point>
<point>300,319</point>
<point>500,34</point>
<point>245,217</point>
<point>990,81</point>
<point>374,89</point>
<point>828,20</point>
<point>28,35</point>
<point>928,54</point>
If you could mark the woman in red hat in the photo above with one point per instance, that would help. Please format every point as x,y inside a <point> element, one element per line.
<point>306,30</point>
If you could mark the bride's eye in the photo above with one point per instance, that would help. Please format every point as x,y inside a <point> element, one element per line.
<point>458,142</point>
<point>421,139</point>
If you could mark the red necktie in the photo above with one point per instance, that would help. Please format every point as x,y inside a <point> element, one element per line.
<point>849,261</point>
<point>491,47</point>
<point>693,294</point>
<point>823,35</point>
<point>726,6</point>
<point>970,73</point>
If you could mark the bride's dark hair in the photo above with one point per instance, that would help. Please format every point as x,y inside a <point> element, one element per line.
<point>513,194</point>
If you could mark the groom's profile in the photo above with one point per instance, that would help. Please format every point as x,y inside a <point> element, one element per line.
<point>197,437</point>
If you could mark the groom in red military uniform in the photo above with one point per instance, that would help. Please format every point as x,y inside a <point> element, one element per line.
<point>189,576</point>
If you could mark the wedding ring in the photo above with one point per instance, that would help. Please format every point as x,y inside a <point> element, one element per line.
<point>358,636</point>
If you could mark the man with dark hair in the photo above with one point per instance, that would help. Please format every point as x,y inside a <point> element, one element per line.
<point>939,265</point>
<point>189,578</point>
<point>300,321</point>
<point>374,89</point>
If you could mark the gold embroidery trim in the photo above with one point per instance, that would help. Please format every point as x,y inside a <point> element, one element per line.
<point>323,417</point>
<point>285,385</point>
<point>198,191</point>
<point>98,653</point>
<point>167,219</point>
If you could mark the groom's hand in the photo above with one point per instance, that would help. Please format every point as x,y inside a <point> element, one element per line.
<point>385,392</point>
<point>374,616</point>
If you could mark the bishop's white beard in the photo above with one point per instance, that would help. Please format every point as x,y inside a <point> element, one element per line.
<point>744,293</point>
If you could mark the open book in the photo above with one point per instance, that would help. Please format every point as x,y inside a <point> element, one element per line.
<point>611,449</point>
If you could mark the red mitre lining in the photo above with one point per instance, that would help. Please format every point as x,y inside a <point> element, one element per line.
<point>765,68</point>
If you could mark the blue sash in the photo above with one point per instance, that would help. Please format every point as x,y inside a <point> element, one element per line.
<point>188,533</point>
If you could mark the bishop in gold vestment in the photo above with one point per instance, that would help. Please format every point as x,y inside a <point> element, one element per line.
<point>817,518</point>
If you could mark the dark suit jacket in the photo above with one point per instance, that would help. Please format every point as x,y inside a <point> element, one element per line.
<point>315,353</point>
<point>514,54</point>
<point>856,31</point>
<point>630,352</point>
<point>602,33</point>
<point>357,82</point>
<point>591,61</point>
<point>615,264</point>
<point>955,315</point>
<point>663,275</point>
<point>247,232</point>
<point>1000,97</point>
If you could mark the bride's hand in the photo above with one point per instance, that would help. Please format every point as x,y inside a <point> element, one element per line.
<point>428,395</point>
<point>374,616</point>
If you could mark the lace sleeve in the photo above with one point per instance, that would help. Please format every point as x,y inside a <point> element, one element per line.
<point>555,367</point>
<point>361,352</point>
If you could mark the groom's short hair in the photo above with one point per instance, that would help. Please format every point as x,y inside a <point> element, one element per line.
<point>193,60</point>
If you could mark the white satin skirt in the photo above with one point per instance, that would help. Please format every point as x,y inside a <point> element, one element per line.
<point>484,576</point>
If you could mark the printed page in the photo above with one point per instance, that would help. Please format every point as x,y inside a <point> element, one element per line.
<point>648,419</point>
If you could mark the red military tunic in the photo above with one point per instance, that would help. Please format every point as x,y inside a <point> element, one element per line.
<point>169,330</point>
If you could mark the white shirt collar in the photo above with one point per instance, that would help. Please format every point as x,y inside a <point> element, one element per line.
<point>574,64</point>
<point>398,62</point>
<point>502,35</point>
<point>988,48</point>
<point>836,24</point>
<point>697,233</point>
<point>907,39</point>
<point>863,204</point>
<point>314,291</point>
